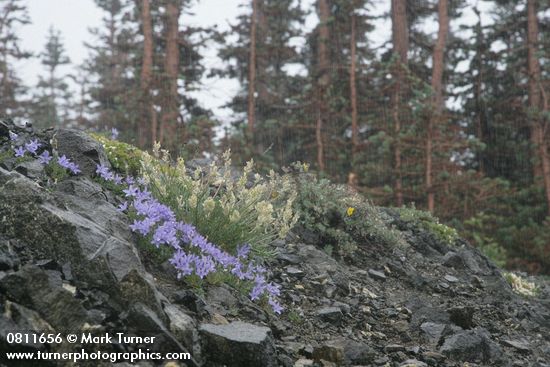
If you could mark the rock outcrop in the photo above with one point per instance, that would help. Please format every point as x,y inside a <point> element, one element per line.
<point>70,264</point>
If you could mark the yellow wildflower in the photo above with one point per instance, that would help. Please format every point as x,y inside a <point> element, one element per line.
<point>350,211</point>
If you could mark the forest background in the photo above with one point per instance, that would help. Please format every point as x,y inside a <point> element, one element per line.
<point>437,104</point>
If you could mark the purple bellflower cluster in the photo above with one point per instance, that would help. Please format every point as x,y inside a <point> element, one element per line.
<point>193,253</point>
<point>45,157</point>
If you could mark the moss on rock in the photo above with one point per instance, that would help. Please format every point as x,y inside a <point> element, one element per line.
<point>123,157</point>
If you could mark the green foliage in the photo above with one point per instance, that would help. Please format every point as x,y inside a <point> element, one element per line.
<point>124,157</point>
<point>294,317</point>
<point>484,241</point>
<point>429,223</point>
<point>229,211</point>
<point>55,171</point>
<point>341,218</point>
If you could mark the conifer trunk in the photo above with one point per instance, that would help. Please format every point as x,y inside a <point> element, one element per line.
<point>170,114</point>
<point>437,89</point>
<point>540,147</point>
<point>400,39</point>
<point>146,125</point>
<point>353,90</point>
<point>252,72</point>
<point>323,79</point>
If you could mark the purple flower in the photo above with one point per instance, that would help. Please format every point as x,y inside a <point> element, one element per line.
<point>159,220</point>
<point>259,288</point>
<point>19,151</point>
<point>131,191</point>
<point>129,180</point>
<point>122,207</point>
<point>182,262</point>
<point>13,136</point>
<point>117,179</point>
<point>165,234</point>
<point>276,306</point>
<point>142,226</point>
<point>114,133</point>
<point>273,289</point>
<point>243,251</point>
<point>64,162</point>
<point>73,167</point>
<point>45,157</point>
<point>32,146</point>
<point>103,172</point>
<point>203,266</point>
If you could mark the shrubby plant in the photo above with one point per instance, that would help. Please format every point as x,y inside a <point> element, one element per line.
<point>520,285</point>
<point>229,211</point>
<point>193,255</point>
<point>429,223</point>
<point>340,217</point>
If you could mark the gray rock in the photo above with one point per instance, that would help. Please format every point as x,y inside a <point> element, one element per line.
<point>471,345</point>
<point>413,363</point>
<point>144,322</point>
<point>289,258</point>
<point>33,288</point>
<point>462,316</point>
<point>183,327</point>
<point>433,356</point>
<point>330,314</point>
<point>4,129</point>
<point>295,272</point>
<point>451,279</point>
<point>331,351</point>
<point>344,307</point>
<point>238,344</point>
<point>317,259</point>
<point>17,318</point>
<point>358,353</point>
<point>8,260</point>
<point>378,275</point>
<point>342,351</point>
<point>32,169</point>
<point>433,330</point>
<point>392,348</point>
<point>81,149</point>
<point>221,295</point>
<point>88,232</point>
<point>521,345</point>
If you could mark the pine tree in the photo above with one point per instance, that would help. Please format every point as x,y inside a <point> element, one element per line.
<point>269,94</point>
<point>51,100</point>
<point>12,14</point>
<point>112,66</point>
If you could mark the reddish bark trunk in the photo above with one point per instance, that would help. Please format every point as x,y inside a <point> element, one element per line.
<point>323,79</point>
<point>252,71</point>
<point>170,114</point>
<point>540,147</point>
<point>353,91</point>
<point>400,39</point>
<point>437,88</point>
<point>146,126</point>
